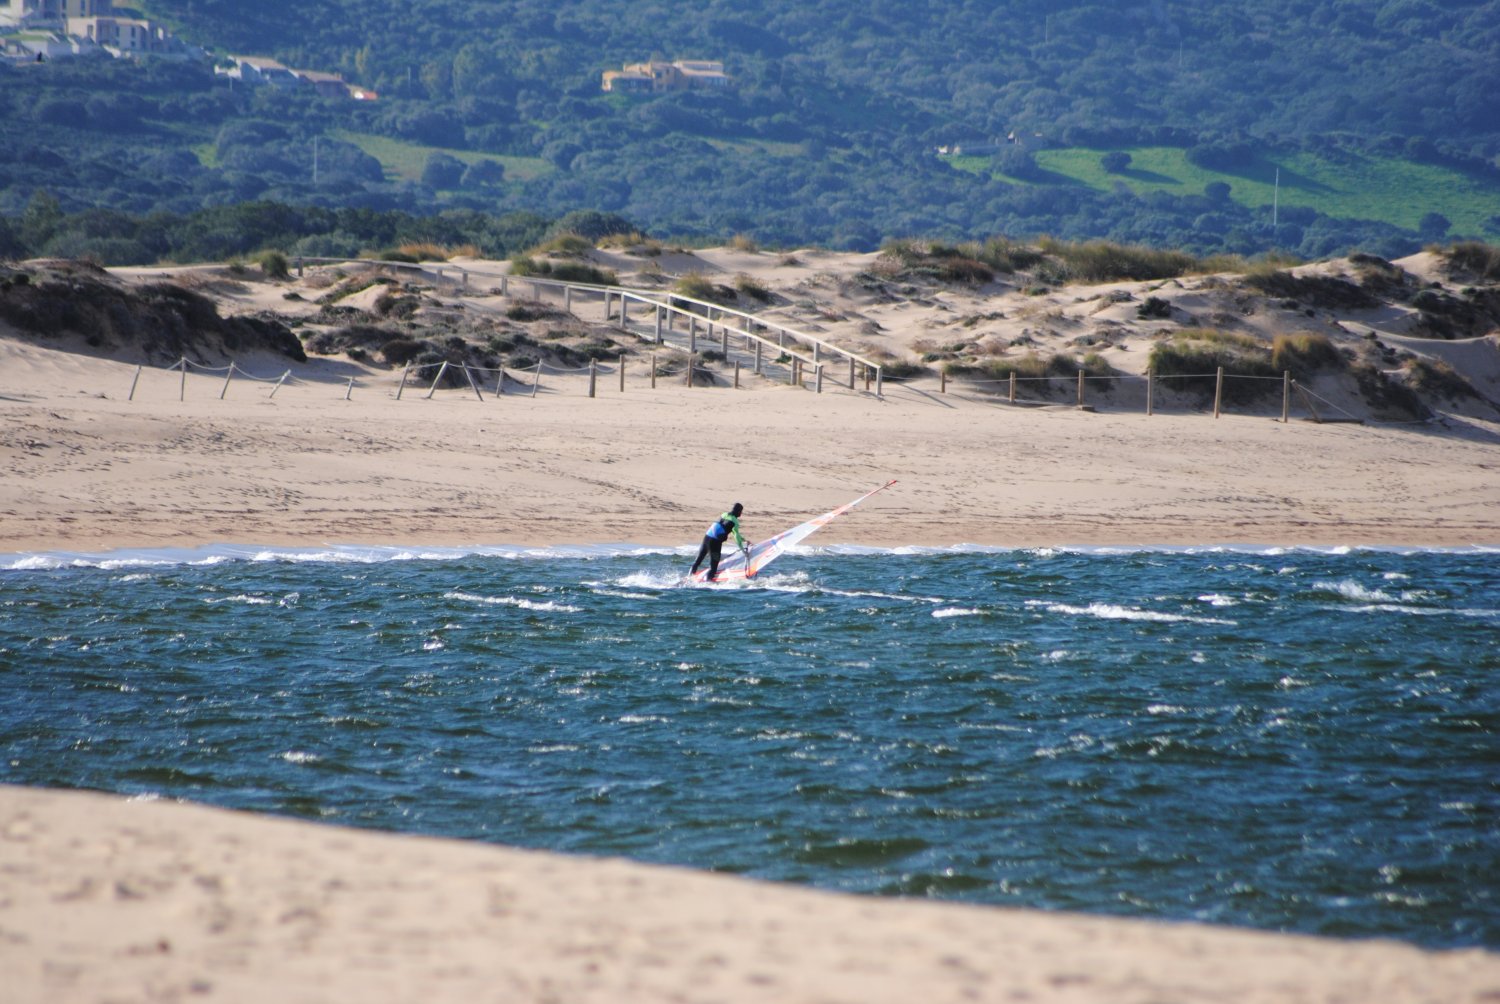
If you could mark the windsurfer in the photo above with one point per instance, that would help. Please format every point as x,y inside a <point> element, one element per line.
<point>713,541</point>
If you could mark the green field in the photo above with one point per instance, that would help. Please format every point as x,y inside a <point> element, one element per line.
<point>1355,186</point>
<point>406,160</point>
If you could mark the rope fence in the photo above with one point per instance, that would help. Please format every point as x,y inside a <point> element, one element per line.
<point>426,379</point>
<point>1289,387</point>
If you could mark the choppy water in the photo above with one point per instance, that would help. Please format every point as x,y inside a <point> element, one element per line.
<point>1281,739</point>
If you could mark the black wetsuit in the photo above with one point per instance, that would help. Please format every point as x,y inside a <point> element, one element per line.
<point>713,543</point>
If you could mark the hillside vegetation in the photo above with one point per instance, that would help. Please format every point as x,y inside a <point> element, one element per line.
<point>829,131</point>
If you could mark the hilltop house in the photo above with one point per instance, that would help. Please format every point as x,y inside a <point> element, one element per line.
<point>653,77</point>
<point>123,36</point>
<point>259,70</point>
<point>53,28</point>
<point>53,12</point>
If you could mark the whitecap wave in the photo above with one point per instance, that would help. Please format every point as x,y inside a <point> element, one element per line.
<point>540,606</point>
<point>1113,611</point>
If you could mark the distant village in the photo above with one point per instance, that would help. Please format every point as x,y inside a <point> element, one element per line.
<point>35,31</point>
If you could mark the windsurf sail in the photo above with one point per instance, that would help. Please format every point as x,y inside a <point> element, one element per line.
<point>748,564</point>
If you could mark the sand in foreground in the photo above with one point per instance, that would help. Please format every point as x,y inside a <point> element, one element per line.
<point>107,899</point>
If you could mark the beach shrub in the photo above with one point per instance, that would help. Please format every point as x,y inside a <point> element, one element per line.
<point>752,288</point>
<point>1325,291</point>
<point>400,351</point>
<point>1437,379</point>
<point>1190,358</point>
<point>565,271</point>
<point>1478,258</point>
<point>695,285</point>
<point>1106,261</point>
<point>1304,354</point>
<point>1387,398</point>
<point>1154,308</point>
<point>274,265</point>
<point>355,336</point>
<point>564,244</point>
<point>910,259</point>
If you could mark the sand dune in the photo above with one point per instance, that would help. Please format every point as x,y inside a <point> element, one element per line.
<point>103,899</point>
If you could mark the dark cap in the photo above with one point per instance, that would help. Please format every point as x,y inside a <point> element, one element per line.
<point>737,509</point>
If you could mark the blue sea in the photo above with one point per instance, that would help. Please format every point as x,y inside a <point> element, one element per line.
<point>1284,739</point>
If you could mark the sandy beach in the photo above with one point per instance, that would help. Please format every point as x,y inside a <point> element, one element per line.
<point>104,899</point>
<point>107,899</point>
<point>87,470</point>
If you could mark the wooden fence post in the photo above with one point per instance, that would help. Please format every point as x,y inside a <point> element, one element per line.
<point>593,376</point>
<point>1012,398</point>
<point>692,362</point>
<point>133,383</point>
<point>349,390</point>
<point>435,380</point>
<point>819,381</point>
<point>227,377</point>
<point>536,381</point>
<point>757,358</point>
<point>1286,396</point>
<point>472,383</point>
<point>182,387</point>
<point>942,381</point>
<point>1150,392</point>
<point>653,371</point>
<point>736,374</point>
<point>1080,388</point>
<point>622,372</point>
<point>1218,391</point>
<point>404,373</point>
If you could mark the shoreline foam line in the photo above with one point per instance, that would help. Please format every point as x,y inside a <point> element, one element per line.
<point>367,554</point>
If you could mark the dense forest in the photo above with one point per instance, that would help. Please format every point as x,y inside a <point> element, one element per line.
<point>827,135</point>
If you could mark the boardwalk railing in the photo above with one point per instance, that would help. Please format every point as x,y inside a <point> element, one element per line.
<point>768,347</point>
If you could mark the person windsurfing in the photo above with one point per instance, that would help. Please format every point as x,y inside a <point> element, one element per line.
<point>713,541</point>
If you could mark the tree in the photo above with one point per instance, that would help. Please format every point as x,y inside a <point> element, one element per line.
<point>1217,191</point>
<point>1115,162</point>
<point>483,173</point>
<point>1433,226</point>
<point>40,220</point>
<point>443,171</point>
<point>1016,161</point>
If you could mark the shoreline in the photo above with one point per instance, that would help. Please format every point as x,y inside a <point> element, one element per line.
<point>48,559</point>
<point>131,898</point>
